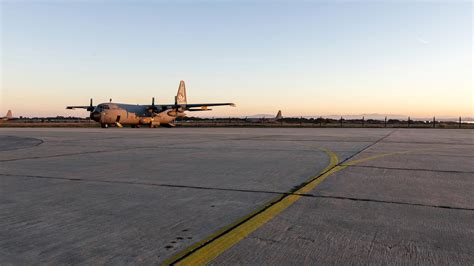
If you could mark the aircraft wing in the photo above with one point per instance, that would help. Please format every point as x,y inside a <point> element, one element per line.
<point>89,107</point>
<point>204,106</point>
<point>80,107</point>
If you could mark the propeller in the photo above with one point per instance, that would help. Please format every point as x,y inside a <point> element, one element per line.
<point>152,108</point>
<point>177,109</point>
<point>91,106</point>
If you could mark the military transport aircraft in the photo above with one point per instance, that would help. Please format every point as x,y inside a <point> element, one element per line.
<point>277,118</point>
<point>8,116</point>
<point>150,115</point>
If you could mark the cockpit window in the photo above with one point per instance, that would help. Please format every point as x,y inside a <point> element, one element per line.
<point>102,107</point>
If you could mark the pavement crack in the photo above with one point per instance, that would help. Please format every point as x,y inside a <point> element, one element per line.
<point>306,239</point>
<point>372,243</point>
<point>265,240</point>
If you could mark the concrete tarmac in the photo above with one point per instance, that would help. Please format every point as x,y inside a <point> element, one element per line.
<point>90,196</point>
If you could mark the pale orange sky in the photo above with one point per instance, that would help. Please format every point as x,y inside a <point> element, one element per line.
<point>307,59</point>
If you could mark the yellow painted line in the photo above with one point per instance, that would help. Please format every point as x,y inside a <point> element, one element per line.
<point>370,158</point>
<point>216,244</point>
<point>208,249</point>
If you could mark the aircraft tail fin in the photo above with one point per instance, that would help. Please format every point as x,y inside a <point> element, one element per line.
<point>181,96</point>
<point>9,114</point>
<point>279,116</point>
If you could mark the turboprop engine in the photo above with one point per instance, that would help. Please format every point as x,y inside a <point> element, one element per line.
<point>176,113</point>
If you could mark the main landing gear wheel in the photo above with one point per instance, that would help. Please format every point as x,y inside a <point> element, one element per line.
<point>104,125</point>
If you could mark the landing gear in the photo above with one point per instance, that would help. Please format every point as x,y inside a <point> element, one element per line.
<point>104,125</point>
<point>154,124</point>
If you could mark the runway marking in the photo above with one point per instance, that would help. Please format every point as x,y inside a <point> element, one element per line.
<point>208,249</point>
<point>211,247</point>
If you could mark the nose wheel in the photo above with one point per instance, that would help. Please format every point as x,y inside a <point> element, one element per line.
<point>104,125</point>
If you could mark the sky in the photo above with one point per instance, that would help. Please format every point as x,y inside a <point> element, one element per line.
<point>303,57</point>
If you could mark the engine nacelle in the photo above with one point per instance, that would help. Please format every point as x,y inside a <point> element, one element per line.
<point>173,113</point>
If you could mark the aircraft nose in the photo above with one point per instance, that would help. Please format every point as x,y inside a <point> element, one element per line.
<point>95,116</point>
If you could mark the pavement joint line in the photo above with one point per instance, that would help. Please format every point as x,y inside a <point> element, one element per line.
<point>237,190</point>
<point>418,153</point>
<point>146,148</point>
<point>393,202</point>
<point>446,155</point>
<point>367,147</point>
<point>152,184</point>
<point>410,169</point>
<point>314,140</point>
<point>430,143</point>
<point>362,141</point>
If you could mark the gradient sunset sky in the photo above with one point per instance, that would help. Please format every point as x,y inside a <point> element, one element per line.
<point>305,58</point>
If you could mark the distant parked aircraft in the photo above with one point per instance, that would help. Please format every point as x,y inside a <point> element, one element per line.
<point>277,118</point>
<point>8,116</point>
<point>150,115</point>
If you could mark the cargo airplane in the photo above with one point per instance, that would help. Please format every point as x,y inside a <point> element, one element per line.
<point>8,116</point>
<point>120,114</point>
<point>277,118</point>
